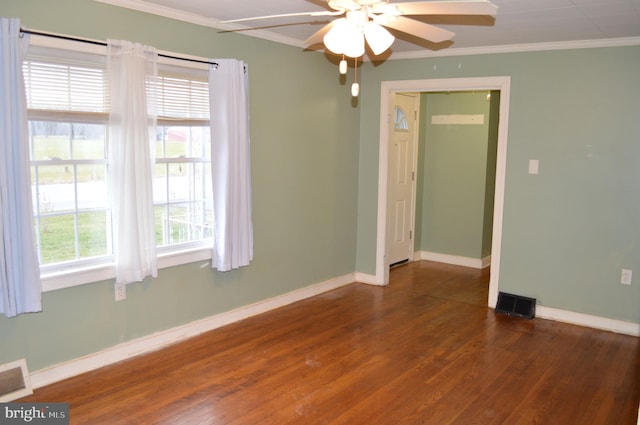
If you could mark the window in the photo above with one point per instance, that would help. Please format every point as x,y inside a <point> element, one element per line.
<point>68,171</point>
<point>400,122</point>
<point>68,107</point>
<point>68,114</point>
<point>182,174</point>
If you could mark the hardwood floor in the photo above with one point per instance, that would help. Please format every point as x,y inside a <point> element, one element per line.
<point>424,350</point>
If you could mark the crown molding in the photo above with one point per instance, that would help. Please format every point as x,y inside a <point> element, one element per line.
<point>167,12</point>
<point>519,48</point>
<point>193,18</point>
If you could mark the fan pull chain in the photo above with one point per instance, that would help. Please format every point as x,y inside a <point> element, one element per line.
<point>343,65</point>
<point>355,87</point>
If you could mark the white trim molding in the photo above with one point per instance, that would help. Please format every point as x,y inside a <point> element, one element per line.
<point>147,344</point>
<point>80,276</point>
<point>197,19</point>
<point>581,319</point>
<point>367,278</point>
<point>476,263</point>
<point>165,338</point>
<point>519,48</point>
<point>502,83</point>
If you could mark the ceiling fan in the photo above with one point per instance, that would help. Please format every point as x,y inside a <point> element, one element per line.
<point>368,20</point>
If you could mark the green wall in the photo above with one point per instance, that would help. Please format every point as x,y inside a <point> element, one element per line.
<point>569,230</point>
<point>456,176</point>
<point>304,142</point>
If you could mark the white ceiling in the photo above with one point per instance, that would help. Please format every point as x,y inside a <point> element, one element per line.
<point>518,25</point>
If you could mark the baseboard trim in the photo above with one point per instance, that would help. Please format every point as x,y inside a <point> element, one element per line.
<point>476,263</point>
<point>147,344</point>
<point>581,319</point>
<point>369,279</point>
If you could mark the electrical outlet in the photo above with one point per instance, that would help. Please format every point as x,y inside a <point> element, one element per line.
<point>121,291</point>
<point>625,276</point>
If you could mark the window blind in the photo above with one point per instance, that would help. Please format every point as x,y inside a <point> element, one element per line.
<point>57,83</point>
<point>62,87</point>
<point>182,99</point>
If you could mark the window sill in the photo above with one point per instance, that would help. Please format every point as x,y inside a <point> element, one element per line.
<point>80,276</point>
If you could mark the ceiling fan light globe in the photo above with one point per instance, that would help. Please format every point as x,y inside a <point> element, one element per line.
<point>345,38</point>
<point>378,38</point>
<point>354,45</point>
<point>334,38</point>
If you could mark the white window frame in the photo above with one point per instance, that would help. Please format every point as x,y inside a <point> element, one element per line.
<point>167,162</point>
<point>168,256</point>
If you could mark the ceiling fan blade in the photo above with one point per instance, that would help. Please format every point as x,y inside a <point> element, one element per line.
<point>318,35</point>
<point>468,7</point>
<point>284,15</point>
<point>416,28</point>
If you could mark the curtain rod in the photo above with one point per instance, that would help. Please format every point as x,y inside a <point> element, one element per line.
<point>104,43</point>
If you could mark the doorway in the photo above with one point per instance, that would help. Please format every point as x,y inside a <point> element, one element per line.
<point>388,89</point>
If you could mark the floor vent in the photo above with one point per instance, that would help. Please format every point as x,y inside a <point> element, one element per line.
<point>14,381</point>
<point>399,263</point>
<point>516,305</point>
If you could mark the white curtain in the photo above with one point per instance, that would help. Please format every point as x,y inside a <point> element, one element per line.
<point>20,285</point>
<point>132,71</point>
<point>230,165</point>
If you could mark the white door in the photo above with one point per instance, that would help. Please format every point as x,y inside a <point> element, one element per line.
<point>401,181</point>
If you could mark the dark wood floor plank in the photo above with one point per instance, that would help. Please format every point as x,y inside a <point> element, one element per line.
<point>424,350</point>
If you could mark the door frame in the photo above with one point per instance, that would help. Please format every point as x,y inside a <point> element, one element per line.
<point>502,84</point>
